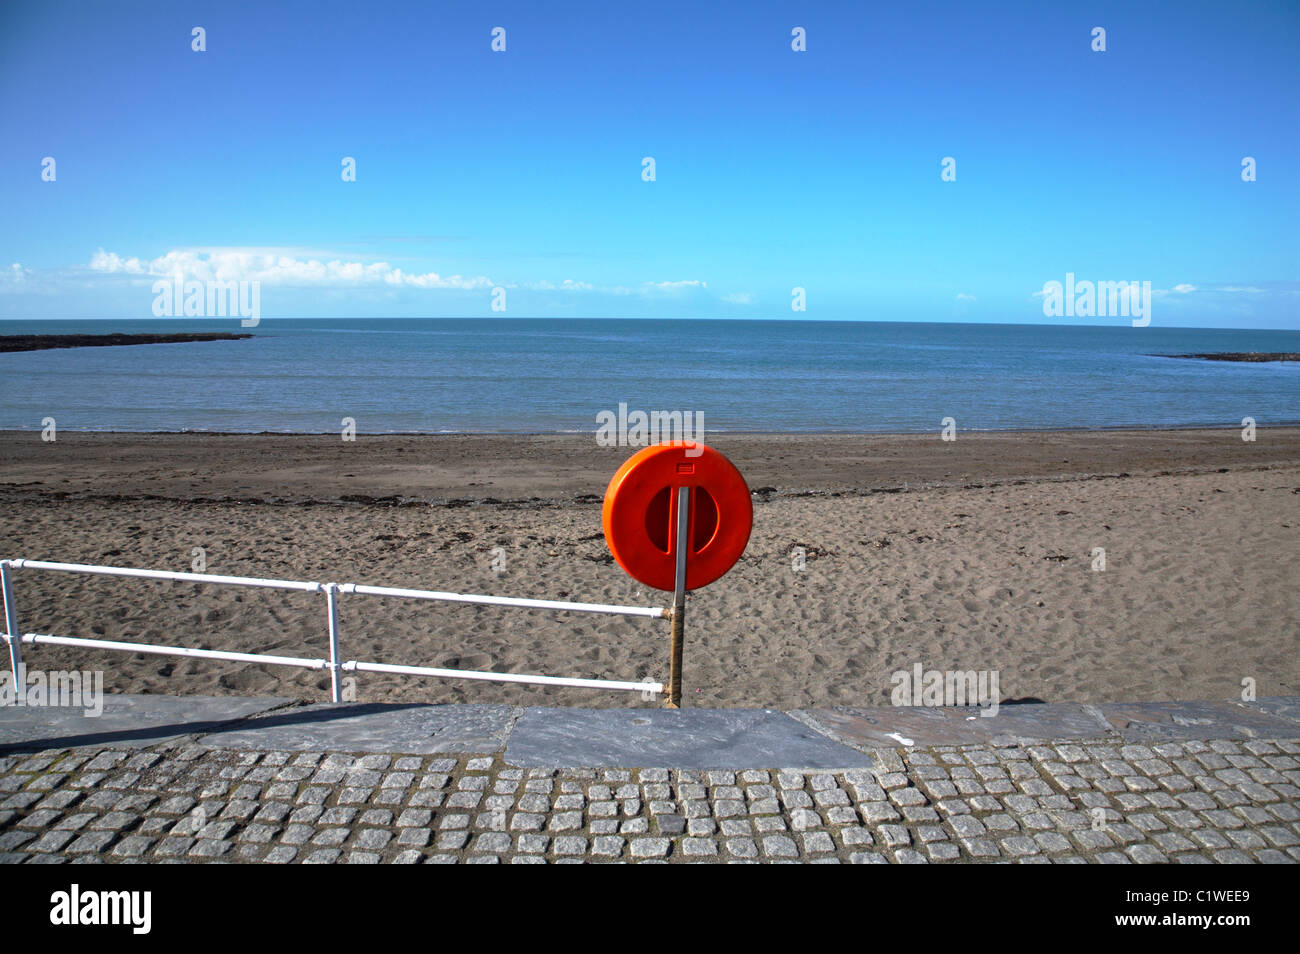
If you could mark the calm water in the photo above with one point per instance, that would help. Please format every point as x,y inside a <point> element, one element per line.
<point>519,375</point>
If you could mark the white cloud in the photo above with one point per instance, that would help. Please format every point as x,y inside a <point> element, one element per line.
<point>645,288</point>
<point>15,274</point>
<point>1186,289</point>
<point>675,286</point>
<point>567,285</point>
<point>739,298</point>
<point>275,267</point>
<point>1130,288</point>
<point>311,268</point>
<point>962,296</point>
<point>103,261</point>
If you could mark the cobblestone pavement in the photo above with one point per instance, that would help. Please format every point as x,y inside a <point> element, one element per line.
<point>1192,801</point>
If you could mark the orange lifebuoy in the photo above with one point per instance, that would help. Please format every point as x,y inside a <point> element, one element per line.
<point>640,514</point>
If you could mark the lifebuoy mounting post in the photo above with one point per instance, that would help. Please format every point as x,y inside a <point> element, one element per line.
<point>677,516</point>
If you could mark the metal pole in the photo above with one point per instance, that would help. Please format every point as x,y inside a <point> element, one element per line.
<point>332,606</point>
<point>261,659</point>
<point>12,636</point>
<point>353,666</point>
<point>681,542</point>
<point>166,575</point>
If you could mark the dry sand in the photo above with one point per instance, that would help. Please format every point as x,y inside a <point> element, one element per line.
<point>975,554</point>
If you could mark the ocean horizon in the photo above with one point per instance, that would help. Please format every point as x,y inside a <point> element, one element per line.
<point>555,376</point>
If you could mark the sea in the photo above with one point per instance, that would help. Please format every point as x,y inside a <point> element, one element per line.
<point>527,376</point>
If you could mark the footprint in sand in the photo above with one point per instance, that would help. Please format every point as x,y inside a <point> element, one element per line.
<point>480,661</point>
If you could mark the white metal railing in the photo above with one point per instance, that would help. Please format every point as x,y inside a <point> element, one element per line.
<point>14,637</point>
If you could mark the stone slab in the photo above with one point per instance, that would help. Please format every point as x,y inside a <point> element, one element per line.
<point>126,721</point>
<point>415,729</point>
<point>895,726</point>
<point>1284,707</point>
<point>683,738</point>
<point>690,738</point>
<point>1172,721</point>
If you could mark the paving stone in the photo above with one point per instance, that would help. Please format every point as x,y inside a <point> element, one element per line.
<point>1208,838</point>
<point>795,799</point>
<point>1145,854</point>
<point>608,846</point>
<point>981,847</point>
<point>569,845</point>
<point>414,837</point>
<point>742,847</point>
<point>15,839</point>
<point>878,812</point>
<point>943,851</point>
<point>817,841</point>
<point>51,841</point>
<point>525,821</point>
<point>133,846</point>
<point>855,837</point>
<point>675,824</point>
<point>376,839</point>
<point>1271,856</point>
<point>258,833</point>
<point>894,836</point>
<point>209,848</point>
<point>95,841</point>
<point>868,858</point>
<point>533,844</point>
<point>804,820</point>
<point>779,846</point>
<point>1247,840</point>
<point>494,842</point>
<point>698,847</point>
<point>649,847</point>
<point>1172,841</point>
<point>452,840</point>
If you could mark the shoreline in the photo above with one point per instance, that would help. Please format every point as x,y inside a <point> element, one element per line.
<point>508,470</point>
<point>724,432</point>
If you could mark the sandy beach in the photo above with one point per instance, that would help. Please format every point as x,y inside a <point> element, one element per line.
<point>976,554</point>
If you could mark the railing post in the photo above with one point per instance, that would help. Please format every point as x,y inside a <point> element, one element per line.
<point>13,636</point>
<point>332,607</point>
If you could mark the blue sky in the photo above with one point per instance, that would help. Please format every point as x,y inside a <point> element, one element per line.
<point>774,168</point>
